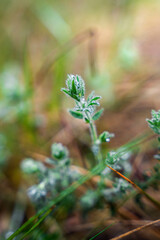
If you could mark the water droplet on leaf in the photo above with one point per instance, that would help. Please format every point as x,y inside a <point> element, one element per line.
<point>107,139</point>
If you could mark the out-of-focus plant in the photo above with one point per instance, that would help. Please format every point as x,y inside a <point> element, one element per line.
<point>154,124</point>
<point>85,108</point>
<point>51,180</point>
<point>128,54</point>
<point>14,95</point>
<point>154,177</point>
<point>55,176</point>
<point>4,151</point>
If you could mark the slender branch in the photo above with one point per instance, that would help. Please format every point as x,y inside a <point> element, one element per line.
<point>156,203</point>
<point>136,230</point>
<point>94,137</point>
<point>92,126</point>
<point>57,54</point>
<point>93,131</point>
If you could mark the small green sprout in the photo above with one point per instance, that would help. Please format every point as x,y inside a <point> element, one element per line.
<point>30,166</point>
<point>119,189</point>
<point>84,109</point>
<point>106,136</point>
<point>75,87</point>
<point>112,158</point>
<point>89,200</point>
<point>154,122</point>
<point>51,180</point>
<point>59,152</point>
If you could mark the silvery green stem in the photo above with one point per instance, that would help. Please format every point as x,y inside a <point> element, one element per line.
<point>93,129</point>
<point>94,137</point>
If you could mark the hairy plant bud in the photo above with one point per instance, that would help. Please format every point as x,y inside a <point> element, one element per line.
<point>154,122</point>
<point>59,151</point>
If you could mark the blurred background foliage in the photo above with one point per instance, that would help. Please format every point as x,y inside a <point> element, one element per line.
<point>113,45</point>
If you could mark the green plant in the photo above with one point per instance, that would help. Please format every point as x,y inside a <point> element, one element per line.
<point>58,176</point>
<point>57,180</point>
<point>154,122</point>
<point>86,109</point>
<point>52,179</point>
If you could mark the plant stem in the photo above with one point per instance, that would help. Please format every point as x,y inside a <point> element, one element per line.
<point>96,145</point>
<point>92,126</point>
<point>94,137</point>
<point>93,129</point>
<point>93,132</point>
<point>156,203</point>
<point>136,230</point>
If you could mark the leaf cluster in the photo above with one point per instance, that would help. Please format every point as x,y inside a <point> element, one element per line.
<point>154,122</point>
<point>75,87</point>
<point>51,180</point>
<point>84,109</point>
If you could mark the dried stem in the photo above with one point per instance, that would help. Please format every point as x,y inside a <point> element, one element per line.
<point>136,230</point>
<point>156,203</point>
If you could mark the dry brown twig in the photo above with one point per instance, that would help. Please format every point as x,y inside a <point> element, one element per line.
<point>136,230</point>
<point>57,54</point>
<point>156,203</point>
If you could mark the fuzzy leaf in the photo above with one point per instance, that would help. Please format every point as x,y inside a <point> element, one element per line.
<point>86,120</point>
<point>96,98</point>
<point>66,91</point>
<point>112,158</point>
<point>97,114</point>
<point>154,122</point>
<point>90,97</point>
<point>105,136</point>
<point>76,114</point>
<point>75,97</point>
<point>69,81</point>
<point>157,156</point>
<point>150,122</point>
<point>73,87</point>
<point>94,104</point>
<point>59,151</point>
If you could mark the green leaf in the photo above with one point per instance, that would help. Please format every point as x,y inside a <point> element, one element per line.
<point>76,114</point>
<point>93,103</point>
<point>96,98</point>
<point>75,97</point>
<point>90,96</point>
<point>86,120</point>
<point>112,158</point>
<point>69,81</point>
<point>59,151</point>
<point>154,122</point>
<point>74,91</point>
<point>31,166</point>
<point>97,114</point>
<point>66,91</point>
<point>157,156</point>
<point>150,122</point>
<point>105,136</point>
